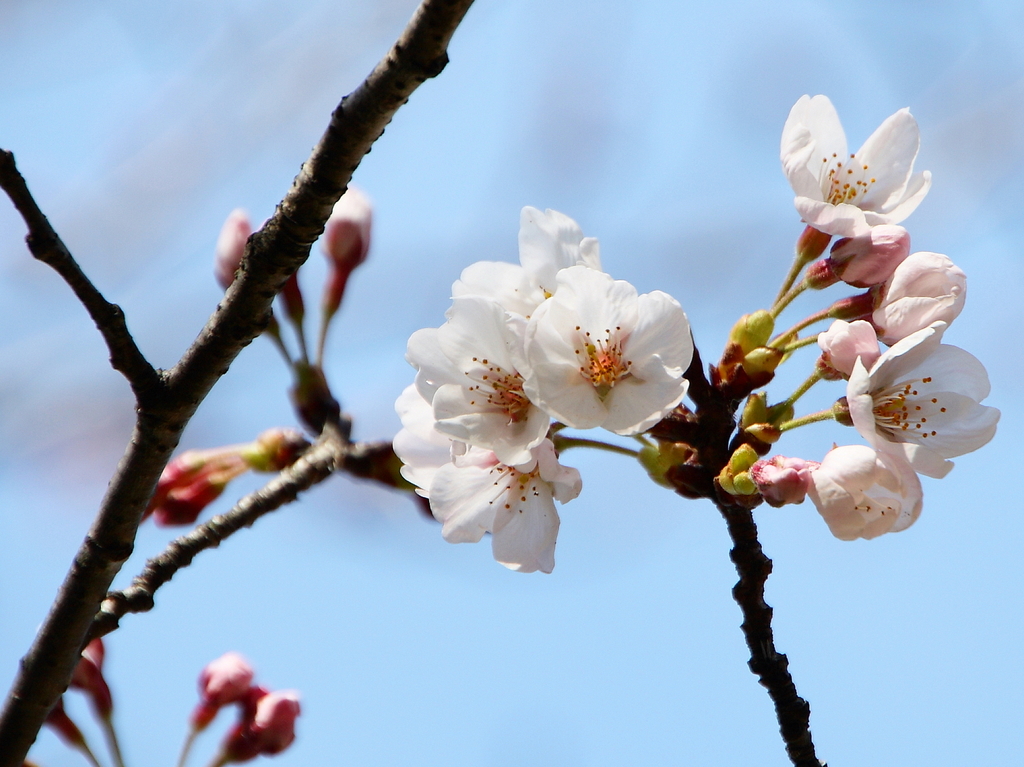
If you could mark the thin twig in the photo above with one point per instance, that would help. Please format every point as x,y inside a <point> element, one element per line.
<point>47,247</point>
<point>770,666</point>
<point>315,465</point>
<point>272,255</point>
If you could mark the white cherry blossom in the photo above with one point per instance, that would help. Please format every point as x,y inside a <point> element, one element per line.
<point>924,288</point>
<point>469,370</point>
<point>922,397</point>
<point>598,354</point>
<point>863,493</point>
<point>549,241</point>
<point>846,194</point>
<point>477,494</point>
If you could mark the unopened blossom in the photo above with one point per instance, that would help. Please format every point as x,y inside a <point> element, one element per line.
<point>846,342</point>
<point>346,243</point>
<point>195,478</point>
<point>925,288</point>
<point>549,241</point>
<point>846,194</point>
<point>231,246</point>
<point>88,677</point>
<point>470,370</point>
<point>600,355</point>
<point>224,680</point>
<point>477,494</point>
<point>267,726</point>
<point>870,259</point>
<point>863,493</point>
<point>782,480</point>
<point>923,398</point>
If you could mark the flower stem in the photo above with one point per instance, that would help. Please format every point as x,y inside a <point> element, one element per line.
<point>802,389</point>
<point>325,321</point>
<point>807,341</point>
<point>821,415</point>
<point>793,331</point>
<point>799,262</point>
<point>84,750</point>
<point>107,725</point>
<point>786,299</point>
<point>564,443</point>
<point>187,746</point>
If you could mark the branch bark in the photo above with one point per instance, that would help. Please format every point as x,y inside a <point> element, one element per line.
<point>44,245</point>
<point>272,255</point>
<point>770,666</point>
<point>313,467</point>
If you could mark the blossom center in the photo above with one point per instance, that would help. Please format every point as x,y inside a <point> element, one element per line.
<point>903,413</point>
<point>844,180</point>
<point>514,487</point>
<point>500,389</point>
<point>601,360</point>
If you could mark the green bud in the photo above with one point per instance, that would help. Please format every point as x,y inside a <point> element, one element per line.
<point>742,459</point>
<point>752,330</point>
<point>755,411</point>
<point>744,484</point>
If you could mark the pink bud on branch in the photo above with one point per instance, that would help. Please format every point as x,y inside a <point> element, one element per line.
<point>231,246</point>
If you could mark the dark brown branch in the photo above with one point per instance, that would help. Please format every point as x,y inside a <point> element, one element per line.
<point>315,465</point>
<point>771,666</point>
<point>272,255</point>
<point>46,246</point>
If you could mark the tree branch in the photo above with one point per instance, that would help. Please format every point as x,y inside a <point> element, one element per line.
<point>313,467</point>
<point>272,255</point>
<point>46,246</point>
<point>771,667</point>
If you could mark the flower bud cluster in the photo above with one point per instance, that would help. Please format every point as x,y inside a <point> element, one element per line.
<point>918,403</point>
<point>346,244</point>
<point>554,337</point>
<point>266,723</point>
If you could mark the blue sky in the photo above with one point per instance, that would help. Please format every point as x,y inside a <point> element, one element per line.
<point>656,125</point>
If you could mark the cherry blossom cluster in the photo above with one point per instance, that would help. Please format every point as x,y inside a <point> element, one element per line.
<point>916,403</point>
<point>552,342</point>
<point>528,349</point>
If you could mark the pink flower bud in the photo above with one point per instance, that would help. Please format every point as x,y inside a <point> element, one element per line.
<point>291,296</point>
<point>267,726</point>
<point>223,681</point>
<point>871,258</point>
<point>925,288</point>
<point>231,246</point>
<point>88,677</point>
<point>811,244</point>
<point>843,343</point>
<point>192,481</point>
<point>782,480</point>
<point>346,242</point>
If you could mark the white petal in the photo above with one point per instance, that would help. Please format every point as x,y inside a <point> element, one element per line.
<point>525,535</point>
<point>464,500</point>
<point>889,154</point>
<point>508,284</point>
<point>433,368</point>
<point>843,220</point>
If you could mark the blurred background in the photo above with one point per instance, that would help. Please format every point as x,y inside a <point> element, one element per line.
<point>656,125</point>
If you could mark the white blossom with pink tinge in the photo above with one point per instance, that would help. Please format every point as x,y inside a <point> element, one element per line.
<point>925,288</point>
<point>469,369</point>
<point>871,258</point>
<point>597,354</point>
<point>231,246</point>
<point>549,241</point>
<point>922,399</point>
<point>863,493</point>
<point>846,194</point>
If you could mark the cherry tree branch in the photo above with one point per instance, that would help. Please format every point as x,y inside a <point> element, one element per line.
<point>770,666</point>
<point>313,467</point>
<point>47,247</point>
<point>272,255</point>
